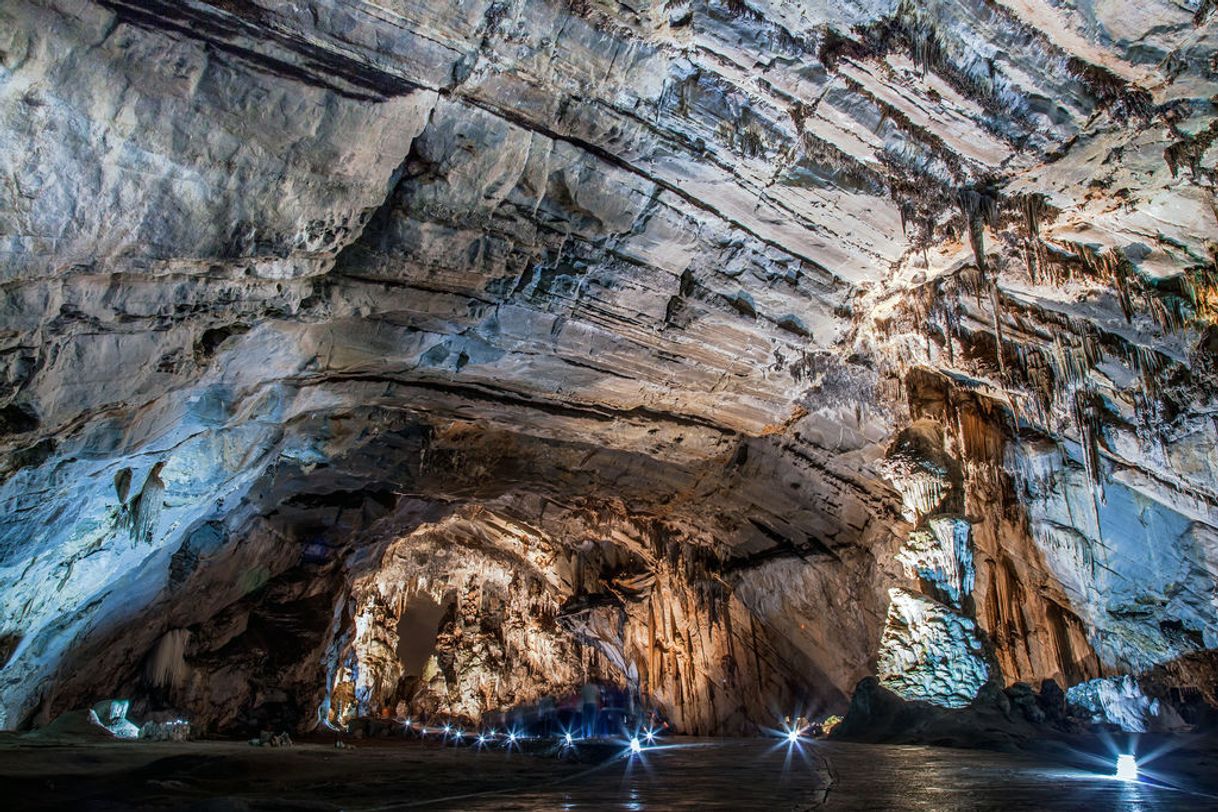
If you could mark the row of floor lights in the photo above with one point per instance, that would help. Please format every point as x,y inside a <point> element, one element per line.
<point>1126,764</point>
<point>511,738</point>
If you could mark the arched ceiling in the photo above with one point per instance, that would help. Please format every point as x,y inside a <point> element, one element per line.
<point>266,262</point>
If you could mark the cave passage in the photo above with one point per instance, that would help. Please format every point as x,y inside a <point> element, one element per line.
<point>417,630</point>
<point>700,403</point>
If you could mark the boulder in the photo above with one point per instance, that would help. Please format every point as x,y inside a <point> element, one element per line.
<point>112,713</point>
<point>175,730</point>
<point>75,725</point>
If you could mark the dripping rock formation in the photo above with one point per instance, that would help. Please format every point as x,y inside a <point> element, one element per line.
<point>725,353</point>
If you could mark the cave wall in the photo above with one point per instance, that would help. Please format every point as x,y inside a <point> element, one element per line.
<point>549,596</point>
<point>283,284</point>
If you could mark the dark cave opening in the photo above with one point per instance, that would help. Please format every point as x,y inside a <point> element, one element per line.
<point>417,630</point>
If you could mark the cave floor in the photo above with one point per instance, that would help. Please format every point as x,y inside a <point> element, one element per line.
<point>686,774</point>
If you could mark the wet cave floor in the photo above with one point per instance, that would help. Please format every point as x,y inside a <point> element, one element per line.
<point>682,774</point>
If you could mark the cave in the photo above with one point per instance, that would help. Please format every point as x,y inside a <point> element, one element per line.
<point>532,404</point>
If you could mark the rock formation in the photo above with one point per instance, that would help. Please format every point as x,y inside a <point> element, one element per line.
<point>729,352</point>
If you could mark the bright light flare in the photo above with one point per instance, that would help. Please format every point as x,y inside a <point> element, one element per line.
<point>635,745</point>
<point>1127,767</point>
<point>649,735</point>
<point>568,740</point>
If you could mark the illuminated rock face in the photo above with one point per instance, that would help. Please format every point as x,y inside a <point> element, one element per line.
<point>942,555</point>
<point>500,644</point>
<point>1119,701</point>
<point>930,649</point>
<point>679,337</point>
<point>930,652</point>
<point>540,608</point>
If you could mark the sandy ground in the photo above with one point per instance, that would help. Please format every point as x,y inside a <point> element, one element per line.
<point>682,774</point>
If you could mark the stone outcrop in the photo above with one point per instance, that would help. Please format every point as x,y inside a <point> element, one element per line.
<point>930,652</point>
<point>692,346</point>
<point>1120,701</point>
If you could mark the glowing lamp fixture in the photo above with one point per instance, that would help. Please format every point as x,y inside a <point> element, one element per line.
<point>635,746</point>
<point>482,739</point>
<point>793,735</point>
<point>1127,767</point>
<point>511,737</point>
<point>448,729</point>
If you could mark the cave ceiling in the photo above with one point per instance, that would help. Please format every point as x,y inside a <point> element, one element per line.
<point>762,290</point>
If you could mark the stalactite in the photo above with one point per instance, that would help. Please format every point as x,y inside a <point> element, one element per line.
<point>1188,152</point>
<point>980,208</point>
<point>1087,417</point>
<point>1191,297</point>
<point>167,666</point>
<point>145,508</point>
<point>1033,209</point>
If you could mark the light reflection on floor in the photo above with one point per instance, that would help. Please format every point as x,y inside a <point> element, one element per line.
<point>681,774</point>
<point>757,774</point>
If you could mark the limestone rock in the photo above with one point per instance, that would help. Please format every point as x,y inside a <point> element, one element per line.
<point>1120,701</point>
<point>929,652</point>
<point>174,730</point>
<point>711,350</point>
<point>112,714</point>
<point>942,555</point>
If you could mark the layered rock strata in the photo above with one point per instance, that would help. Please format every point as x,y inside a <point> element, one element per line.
<point>292,294</point>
